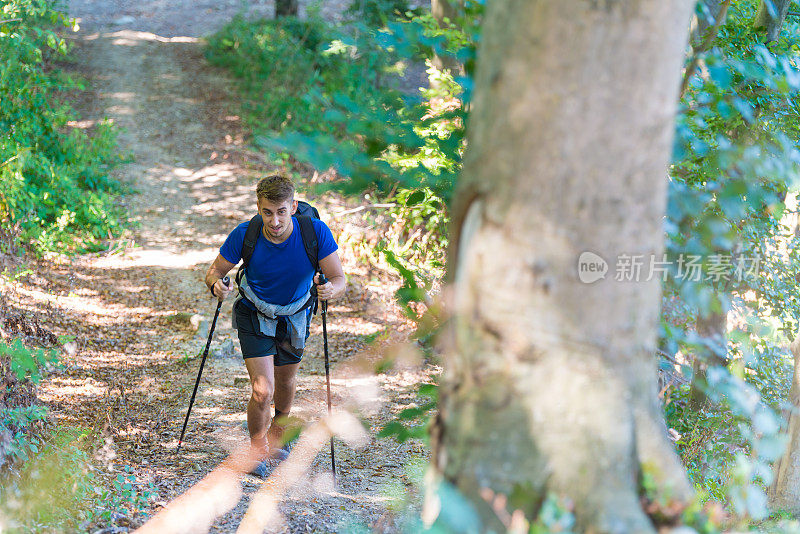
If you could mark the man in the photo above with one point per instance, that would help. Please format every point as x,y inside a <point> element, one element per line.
<point>277,283</point>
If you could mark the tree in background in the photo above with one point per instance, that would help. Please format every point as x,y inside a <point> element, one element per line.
<point>549,383</point>
<point>708,13</point>
<point>285,8</point>
<point>784,493</point>
<point>770,17</point>
<point>447,12</point>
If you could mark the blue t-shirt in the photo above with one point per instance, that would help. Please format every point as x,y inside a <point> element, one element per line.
<point>282,273</point>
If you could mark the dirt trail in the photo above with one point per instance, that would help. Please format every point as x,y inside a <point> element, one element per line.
<point>136,359</point>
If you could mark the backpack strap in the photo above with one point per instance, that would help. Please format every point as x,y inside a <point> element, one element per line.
<point>304,209</point>
<point>249,244</point>
<point>309,241</point>
<point>250,238</point>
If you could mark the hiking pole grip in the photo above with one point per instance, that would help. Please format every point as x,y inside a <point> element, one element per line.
<point>227,282</point>
<point>323,281</point>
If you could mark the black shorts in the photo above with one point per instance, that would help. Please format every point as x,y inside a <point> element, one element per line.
<point>257,345</point>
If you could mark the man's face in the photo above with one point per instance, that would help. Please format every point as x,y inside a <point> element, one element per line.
<point>277,217</point>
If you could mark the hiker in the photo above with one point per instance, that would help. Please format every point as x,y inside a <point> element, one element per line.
<point>275,302</point>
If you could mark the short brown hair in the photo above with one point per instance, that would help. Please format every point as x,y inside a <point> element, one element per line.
<point>275,188</point>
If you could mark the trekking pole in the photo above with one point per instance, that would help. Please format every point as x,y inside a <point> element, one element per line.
<point>322,281</point>
<point>226,281</point>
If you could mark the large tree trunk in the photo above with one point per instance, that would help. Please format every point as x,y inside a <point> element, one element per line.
<point>784,493</point>
<point>771,20</point>
<point>285,8</point>
<point>550,383</point>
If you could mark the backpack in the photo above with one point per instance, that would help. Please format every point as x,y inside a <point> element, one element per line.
<point>305,212</point>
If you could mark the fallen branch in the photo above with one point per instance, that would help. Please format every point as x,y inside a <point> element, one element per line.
<point>9,160</point>
<point>362,208</point>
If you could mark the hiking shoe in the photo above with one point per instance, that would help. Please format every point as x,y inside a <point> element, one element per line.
<point>263,467</point>
<point>260,470</point>
<point>278,455</point>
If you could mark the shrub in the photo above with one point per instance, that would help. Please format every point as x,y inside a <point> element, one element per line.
<point>54,188</point>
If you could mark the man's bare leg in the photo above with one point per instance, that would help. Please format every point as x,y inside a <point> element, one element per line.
<point>285,386</point>
<point>262,380</point>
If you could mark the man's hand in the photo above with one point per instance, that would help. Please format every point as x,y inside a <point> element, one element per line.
<point>324,291</point>
<point>214,276</point>
<point>331,269</point>
<point>331,289</point>
<point>221,290</point>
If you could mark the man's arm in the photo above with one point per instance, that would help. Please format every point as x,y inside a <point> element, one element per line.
<point>218,269</point>
<point>331,267</point>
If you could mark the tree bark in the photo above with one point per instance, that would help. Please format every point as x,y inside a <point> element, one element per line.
<point>285,8</point>
<point>550,383</point>
<point>771,22</point>
<point>451,10</point>
<point>784,493</point>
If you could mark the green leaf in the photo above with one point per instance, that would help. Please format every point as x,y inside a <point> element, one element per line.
<point>411,413</point>
<point>21,360</point>
<point>415,198</point>
<point>392,428</point>
<point>52,41</point>
<point>429,390</point>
